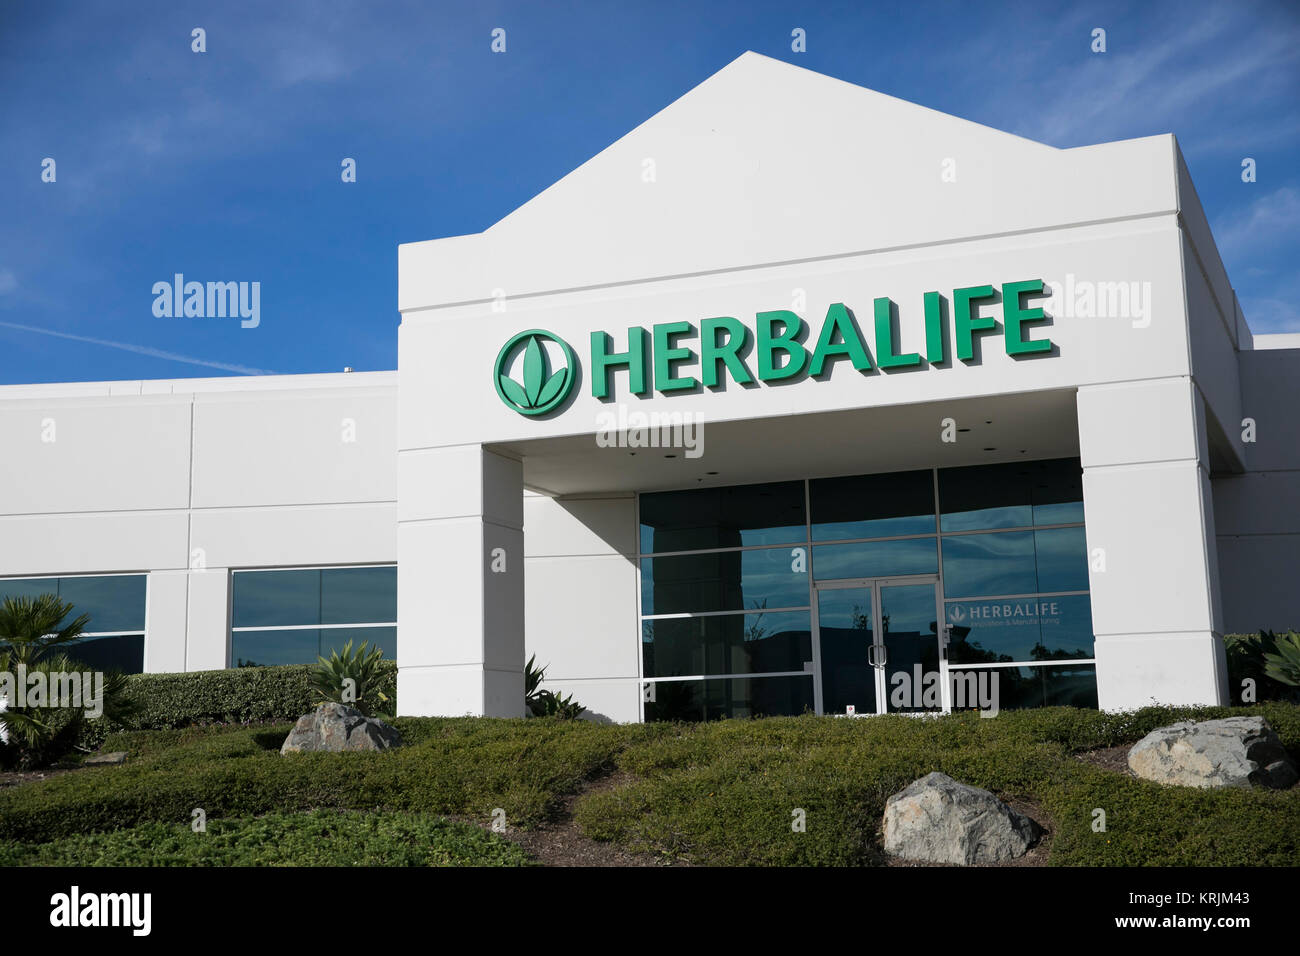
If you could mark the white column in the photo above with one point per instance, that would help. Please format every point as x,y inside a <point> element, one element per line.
<point>1150,529</point>
<point>207,639</point>
<point>460,583</point>
<point>165,622</point>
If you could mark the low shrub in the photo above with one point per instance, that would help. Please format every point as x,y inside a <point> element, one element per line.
<point>462,767</point>
<point>316,838</point>
<point>717,793</point>
<point>239,696</point>
<point>724,793</point>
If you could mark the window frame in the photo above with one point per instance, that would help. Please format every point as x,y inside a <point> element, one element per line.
<point>232,630</point>
<point>808,543</point>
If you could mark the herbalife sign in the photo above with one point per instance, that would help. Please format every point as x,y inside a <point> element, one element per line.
<point>680,357</point>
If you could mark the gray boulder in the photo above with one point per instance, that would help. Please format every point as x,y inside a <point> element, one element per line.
<point>1233,752</point>
<point>337,727</point>
<point>938,820</point>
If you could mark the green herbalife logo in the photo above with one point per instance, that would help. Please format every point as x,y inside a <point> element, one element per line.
<point>543,388</point>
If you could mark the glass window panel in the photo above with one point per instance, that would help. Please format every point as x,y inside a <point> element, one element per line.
<point>269,648</point>
<point>1003,688</point>
<point>986,564</point>
<point>114,603</point>
<point>984,496</point>
<point>1019,688</point>
<point>1020,629</point>
<point>267,598</point>
<point>335,638</point>
<point>1057,491</point>
<point>992,632</point>
<point>872,506</point>
<point>741,515</point>
<point>721,698</point>
<point>872,559</point>
<point>124,653</point>
<point>357,596</point>
<point>27,587</point>
<point>1062,557</point>
<point>1014,495</point>
<point>726,644</point>
<point>722,581</point>
<point>1070,686</point>
<point>1066,624</point>
<point>1070,512</point>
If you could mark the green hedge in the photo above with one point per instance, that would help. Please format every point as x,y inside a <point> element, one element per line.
<point>243,695</point>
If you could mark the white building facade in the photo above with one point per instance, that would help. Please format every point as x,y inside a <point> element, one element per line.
<point>798,397</point>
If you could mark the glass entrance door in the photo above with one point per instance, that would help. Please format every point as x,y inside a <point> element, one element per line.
<point>879,649</point>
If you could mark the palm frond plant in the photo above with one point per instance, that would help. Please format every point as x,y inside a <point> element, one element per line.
<point>31,627</point>
<point>35,642</point>
<point>352,678</point>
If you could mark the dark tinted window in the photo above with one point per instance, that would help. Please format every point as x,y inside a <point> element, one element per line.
<point>723,517</point>
<point>726,644</point>
<point>723,581</point>
<point>115,602</point>
<point>1015,495</point>
<point>872,506</point>
<point>314,596</point>
<point>696,700</point>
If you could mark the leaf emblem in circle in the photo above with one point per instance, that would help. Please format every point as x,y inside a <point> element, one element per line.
<point>541,386</point>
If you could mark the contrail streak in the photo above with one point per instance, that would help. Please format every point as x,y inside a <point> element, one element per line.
<point>141,350</point>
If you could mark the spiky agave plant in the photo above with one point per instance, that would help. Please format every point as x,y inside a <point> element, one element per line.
<point>533,676</point>
<point>352,678</point>
<point>1282,663</point>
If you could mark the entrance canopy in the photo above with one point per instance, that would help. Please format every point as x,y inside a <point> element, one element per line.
<point>984,430</point>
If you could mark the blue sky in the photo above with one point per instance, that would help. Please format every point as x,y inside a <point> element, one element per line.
<point>225,165</point>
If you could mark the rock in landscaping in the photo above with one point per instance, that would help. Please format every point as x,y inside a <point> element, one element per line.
<point>337,727</point>
<point>1233,752</point>
<point>938,820</point>
<point>112,759</point>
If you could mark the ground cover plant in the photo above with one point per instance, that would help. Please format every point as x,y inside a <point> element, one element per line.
<point>716,793</point>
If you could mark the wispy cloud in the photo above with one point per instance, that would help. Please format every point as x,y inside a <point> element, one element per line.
<point>141,350</point>
<point>1154,77</point>
<point>1269,221</point>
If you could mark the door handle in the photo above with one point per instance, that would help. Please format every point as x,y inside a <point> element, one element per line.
<point>884,655</point>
